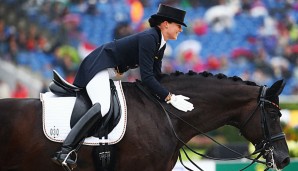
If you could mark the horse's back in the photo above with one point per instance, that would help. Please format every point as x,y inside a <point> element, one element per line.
<point>19,115</point>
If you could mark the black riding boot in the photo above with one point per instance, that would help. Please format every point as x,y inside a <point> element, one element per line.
<point>76,135</point>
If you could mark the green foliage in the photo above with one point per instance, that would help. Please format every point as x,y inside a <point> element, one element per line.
<point>291,133</point>
<point>231,134</point>
<point>191,154</point>
<point>289,106</point>
<point>228,133</point>
<point>293,148</point>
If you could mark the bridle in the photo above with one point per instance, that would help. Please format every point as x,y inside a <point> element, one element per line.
<point>264,148</point>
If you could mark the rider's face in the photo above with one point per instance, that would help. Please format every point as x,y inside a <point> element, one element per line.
<point>172,30</point>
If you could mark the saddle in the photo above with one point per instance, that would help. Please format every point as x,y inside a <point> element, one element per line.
<point>62,88</point>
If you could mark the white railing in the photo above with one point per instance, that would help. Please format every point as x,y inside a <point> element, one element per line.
<point>11,73</point>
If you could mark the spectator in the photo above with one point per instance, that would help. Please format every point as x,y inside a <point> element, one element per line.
<point>3,37</point>
<point>221,17</point>
<point>20,91</point>
<point>12,48</point>
<point>136,11</point>
<point>293,32</point>
<point>200,28</point>
<point>85,48</point>
<point>91,7</point>
<point>188,57</point>
<point>122,29</point>
<point>280,67</point>
<point>213,63</point>
<point>262,65</point>
<point>31,41</point>
<point>22,39</point>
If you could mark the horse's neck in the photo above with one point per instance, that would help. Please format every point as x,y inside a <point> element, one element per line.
<point>216,104</point>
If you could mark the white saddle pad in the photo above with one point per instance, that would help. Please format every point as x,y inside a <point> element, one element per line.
<point>57,113</point>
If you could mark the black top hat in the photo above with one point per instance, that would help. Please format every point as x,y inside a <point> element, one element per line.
<point>171,14</point>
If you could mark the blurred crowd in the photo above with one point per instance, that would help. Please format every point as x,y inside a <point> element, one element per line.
<point>254,39</point>
<point>19,91</point>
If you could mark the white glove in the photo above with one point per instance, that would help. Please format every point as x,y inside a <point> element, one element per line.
<point>179,102</point>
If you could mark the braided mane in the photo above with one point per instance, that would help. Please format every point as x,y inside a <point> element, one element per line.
<point>218,76</point>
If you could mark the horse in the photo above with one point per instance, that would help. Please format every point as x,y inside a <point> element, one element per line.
<point>155,131</point>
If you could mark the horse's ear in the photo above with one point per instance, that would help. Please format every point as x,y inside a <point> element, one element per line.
<point>276,88</point>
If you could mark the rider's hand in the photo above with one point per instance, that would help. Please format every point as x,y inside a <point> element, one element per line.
<point>179,102</point>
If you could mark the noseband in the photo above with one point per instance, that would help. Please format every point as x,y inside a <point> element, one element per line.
<point>265,147</point>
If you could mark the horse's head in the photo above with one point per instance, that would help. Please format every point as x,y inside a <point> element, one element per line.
<point>263,128</point>
<point>220,100</point>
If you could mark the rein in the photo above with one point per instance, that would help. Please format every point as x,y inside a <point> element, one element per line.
<point>265,147</point>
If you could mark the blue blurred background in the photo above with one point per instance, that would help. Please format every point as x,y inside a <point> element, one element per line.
<point>254,39</point>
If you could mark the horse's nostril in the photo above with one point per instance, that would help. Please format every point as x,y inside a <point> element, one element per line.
<point>285,162</point>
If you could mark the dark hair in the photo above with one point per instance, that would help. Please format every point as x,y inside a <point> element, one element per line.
<point>155,21</point>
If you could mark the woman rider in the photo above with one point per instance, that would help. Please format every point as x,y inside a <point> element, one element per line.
<point>144,50</point>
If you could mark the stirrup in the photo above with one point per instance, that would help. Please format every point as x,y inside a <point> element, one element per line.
<point>67,168</point>
<point>65,165</point>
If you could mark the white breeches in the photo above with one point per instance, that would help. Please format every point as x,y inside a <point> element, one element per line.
<point>98,89</point>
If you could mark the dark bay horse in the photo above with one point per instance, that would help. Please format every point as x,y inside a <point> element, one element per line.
<point>150,143</point>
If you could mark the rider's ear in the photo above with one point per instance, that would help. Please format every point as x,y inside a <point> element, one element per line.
<point>276,88</point>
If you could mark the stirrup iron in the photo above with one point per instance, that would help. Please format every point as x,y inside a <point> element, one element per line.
<point>65,165</point>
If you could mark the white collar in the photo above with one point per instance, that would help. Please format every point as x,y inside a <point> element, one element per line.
<point>162,42</point>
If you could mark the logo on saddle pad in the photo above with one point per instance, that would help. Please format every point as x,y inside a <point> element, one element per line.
<point>57,113</point>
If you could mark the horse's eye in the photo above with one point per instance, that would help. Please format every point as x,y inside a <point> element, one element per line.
<point>275,118</point>
<point>274,114</point>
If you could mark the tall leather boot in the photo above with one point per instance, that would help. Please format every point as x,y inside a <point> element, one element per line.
<point>76,135</point>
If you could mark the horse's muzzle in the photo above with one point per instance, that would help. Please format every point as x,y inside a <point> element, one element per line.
<point>283,163</point>
<point>278,161</point>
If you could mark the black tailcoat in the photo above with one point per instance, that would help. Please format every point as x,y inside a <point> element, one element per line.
<point>138,50</point>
